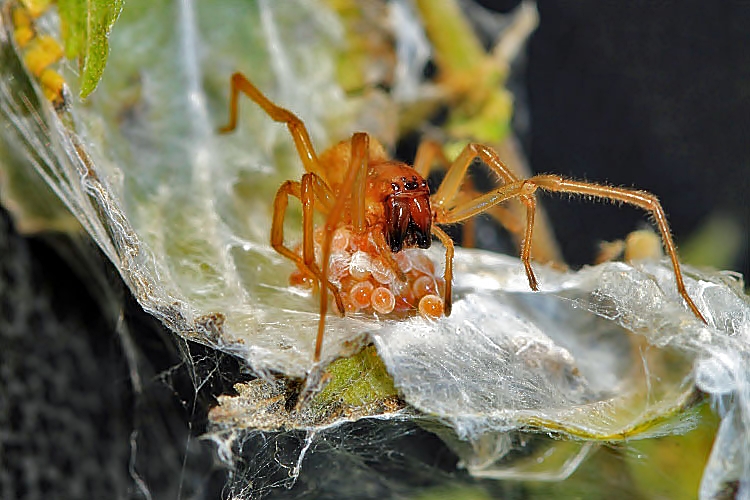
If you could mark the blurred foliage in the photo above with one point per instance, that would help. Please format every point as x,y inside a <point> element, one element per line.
<point>716,243</point>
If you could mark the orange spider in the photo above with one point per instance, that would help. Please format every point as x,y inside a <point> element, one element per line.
<point>380,207</point>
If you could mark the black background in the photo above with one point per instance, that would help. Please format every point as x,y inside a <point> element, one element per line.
<point>650,94</point>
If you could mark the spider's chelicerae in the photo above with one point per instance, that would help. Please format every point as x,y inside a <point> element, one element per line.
<point>378,210</point>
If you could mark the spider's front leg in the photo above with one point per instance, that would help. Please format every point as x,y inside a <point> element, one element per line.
<point>448,273</point>
<point>525,189</point>
<point>641,199</point>
<point>451,206</point>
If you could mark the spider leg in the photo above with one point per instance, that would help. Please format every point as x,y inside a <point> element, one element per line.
<point>239,83</point>
<point>554,183</point>
<point>304,191</point>
<point>307,196</point>
<point>449,203</point>
<point>456,173</point>
<point>428,153</point>
<point>352,193</point>
<point>280,203</point>
<point>642,199</point>
<point>448,273</point>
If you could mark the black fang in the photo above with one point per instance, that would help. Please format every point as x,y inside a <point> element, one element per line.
<point>408,221</point>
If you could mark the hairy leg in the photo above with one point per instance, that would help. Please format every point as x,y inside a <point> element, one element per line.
<point>642,199</point>
<point>449,196</point>
<point>239,83</point>
<point>554,183</point>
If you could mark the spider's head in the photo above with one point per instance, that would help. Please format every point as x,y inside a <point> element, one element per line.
<point>408,217</point>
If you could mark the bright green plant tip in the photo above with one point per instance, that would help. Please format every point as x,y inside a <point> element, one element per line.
<point>86,25</point>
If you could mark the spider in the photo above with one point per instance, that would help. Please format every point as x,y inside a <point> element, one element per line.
<point>387,206</point>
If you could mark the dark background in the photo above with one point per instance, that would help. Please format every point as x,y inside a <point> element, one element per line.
<point>654,95</point>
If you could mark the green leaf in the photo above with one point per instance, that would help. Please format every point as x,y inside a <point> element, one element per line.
<point>86,25</point>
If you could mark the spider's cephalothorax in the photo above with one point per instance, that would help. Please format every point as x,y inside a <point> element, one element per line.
<point>408,217</point>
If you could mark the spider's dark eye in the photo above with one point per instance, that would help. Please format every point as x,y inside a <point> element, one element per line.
<point>396,188</point>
